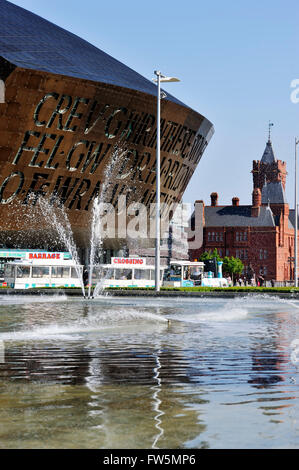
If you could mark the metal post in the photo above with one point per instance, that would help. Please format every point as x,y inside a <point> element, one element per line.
<point>160,78</point>
<point>157,253</point>
<point>296,221</point>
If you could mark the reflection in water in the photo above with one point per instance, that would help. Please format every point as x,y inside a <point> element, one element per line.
<point>112,373</point>
<point>2,352</point>
<point>157,401</point>
<point>295,351</point>
<point>266,368</point>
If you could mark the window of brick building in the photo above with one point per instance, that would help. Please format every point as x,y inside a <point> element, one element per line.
<point>263,270</point>
<point>241,236</point>
<point>263,254</point>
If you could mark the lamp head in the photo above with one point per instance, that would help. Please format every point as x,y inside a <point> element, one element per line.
<point>163,78</point>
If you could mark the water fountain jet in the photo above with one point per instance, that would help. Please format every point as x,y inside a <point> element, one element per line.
<point>64,230</point>
<point>96,237</point>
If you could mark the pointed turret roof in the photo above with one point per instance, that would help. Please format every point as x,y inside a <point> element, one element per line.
<point>268,155</point>
<point>273,193</point>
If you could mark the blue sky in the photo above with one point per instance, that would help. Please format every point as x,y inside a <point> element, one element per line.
<point>235,58</point>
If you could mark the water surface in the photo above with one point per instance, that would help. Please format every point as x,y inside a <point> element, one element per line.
<point>114,373</point>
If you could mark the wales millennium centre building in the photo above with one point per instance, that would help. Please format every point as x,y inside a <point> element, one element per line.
<point>75,121</point>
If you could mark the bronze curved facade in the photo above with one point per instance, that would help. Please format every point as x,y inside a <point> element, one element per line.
<point>67,133</point>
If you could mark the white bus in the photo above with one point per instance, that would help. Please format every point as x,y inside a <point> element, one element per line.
<point>125,272</point>
<point>43,269</point>
<point>191,274</point>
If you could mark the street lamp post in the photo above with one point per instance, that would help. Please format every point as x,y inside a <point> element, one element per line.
<point>160,78</point>
<point>296,221</point>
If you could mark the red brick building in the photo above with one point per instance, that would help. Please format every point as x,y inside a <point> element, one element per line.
<point>260,234</point>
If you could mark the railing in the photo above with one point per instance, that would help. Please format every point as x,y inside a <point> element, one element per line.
<point>289,283</point>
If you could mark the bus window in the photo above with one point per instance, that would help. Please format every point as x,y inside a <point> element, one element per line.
<point>23,271</point>
<point>186,273</point>
<point>59,271</point>
<point>101,273</point>
<point>153,276</point>
<point>1,270</point>
<point>124,274</point>
<point>195,273</point>
<point>40,271</point>
<point>173,273</point>
<point>108,273</point>
<point>74,273</point>
<point>142,274</point>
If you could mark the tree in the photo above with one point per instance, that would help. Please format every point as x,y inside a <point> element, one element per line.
<point>210,255</point>
<point>233,266</point>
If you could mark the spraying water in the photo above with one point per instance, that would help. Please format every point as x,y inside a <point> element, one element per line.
<point>96,237</point>
<point>96,241</point>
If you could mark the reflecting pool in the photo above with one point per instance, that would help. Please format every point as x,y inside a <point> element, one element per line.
<point>115,373</point>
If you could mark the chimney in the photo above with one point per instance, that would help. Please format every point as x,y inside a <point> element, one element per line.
<point>214,199</point>
<point>200,203</point>
<point>235,201</point>
<point>256,202</point>
<point>197,222</point>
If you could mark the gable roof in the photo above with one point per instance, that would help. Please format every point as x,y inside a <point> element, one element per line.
<point>237,216</point>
